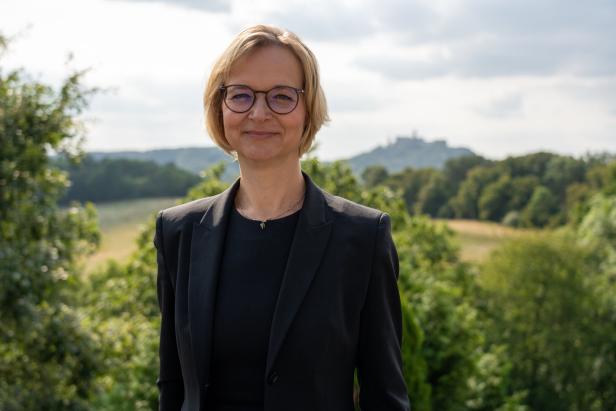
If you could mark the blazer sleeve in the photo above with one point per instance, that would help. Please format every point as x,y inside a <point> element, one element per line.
<point>170,383</point>
<point>379,364</point>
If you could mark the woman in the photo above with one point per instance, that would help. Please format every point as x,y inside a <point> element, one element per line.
<point>273,292</point>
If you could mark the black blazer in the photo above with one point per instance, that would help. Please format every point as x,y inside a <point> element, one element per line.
<point>338,307</point>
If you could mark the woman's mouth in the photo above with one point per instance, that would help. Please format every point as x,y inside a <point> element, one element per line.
<point>259,133</point>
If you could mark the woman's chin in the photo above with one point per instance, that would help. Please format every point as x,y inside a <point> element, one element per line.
<point>258,154</point>
<point>264,155</point>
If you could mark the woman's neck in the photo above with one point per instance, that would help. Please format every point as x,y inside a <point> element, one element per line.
<point>270,192</point>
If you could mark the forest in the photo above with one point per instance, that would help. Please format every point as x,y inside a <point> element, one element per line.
<point>89,180</point>
<point>529,328</point>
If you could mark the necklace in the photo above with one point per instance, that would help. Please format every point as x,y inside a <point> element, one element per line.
<point>294,207</point>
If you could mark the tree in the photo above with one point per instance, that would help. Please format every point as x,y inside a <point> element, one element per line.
<point>562,171</point>
<point>48,360</point>
<point>534,164</point>
<point>598,232</point>
<point>374,175</point>
<point>546,307</point>
<point>123,179</point>
<point>465,203</point>
<point>456,169</point>
<point>604,177</point>
<point>521,191</point>
<point>410,182</point>
<point>433,197</point>
<point>541,208</point>
<point>495,199</point>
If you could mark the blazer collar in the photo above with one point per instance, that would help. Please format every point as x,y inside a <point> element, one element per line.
<point>307,249</point>
<point>315,209</point>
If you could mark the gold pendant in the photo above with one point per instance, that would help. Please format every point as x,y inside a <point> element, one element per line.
<point>262,225</point>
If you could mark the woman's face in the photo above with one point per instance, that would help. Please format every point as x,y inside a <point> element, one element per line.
<point>260,134</point>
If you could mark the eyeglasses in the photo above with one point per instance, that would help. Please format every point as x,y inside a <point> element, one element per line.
<point>280,99</point>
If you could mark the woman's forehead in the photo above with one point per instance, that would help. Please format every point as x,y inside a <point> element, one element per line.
<point>267,66</point>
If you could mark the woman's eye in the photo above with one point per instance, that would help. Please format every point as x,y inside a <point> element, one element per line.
<point>282,97</point>
<point>241,96</point>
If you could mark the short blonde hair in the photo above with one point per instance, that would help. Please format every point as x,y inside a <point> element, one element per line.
<point>245,42</point>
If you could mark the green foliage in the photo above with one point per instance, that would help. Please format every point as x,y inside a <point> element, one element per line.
<point>414,364</point>
<point>561,172</point>
<point>606,178</point>
<point>456,169</point>
<point>491,385</point>
<point>598,232</point>
<point>47,358</point>
<point>544,304</point>
<point>47,362</point>
<point>122,310</point>
<point>120,304</point>
<point>210,185</point>
<point>521,190</point>
<point>475,188</point>
<point>336,178</point>
<point>410,182</point>
<point>439,289</point>
<point>495,198</point>
<point>433,197</point>
<point>465,203</point>
<point>541,208</point>
<point>534,164</point>
<point>374,175</point>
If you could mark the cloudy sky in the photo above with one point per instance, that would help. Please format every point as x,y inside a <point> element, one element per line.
<point>500,77</point>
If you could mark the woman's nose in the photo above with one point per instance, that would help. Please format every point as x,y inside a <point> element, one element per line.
<point>259,109</point>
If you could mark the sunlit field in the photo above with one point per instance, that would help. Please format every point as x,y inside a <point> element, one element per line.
<point>120,224</point>
<point>478,238</point>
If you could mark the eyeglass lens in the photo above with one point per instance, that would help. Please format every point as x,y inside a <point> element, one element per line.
<point>281,100</point>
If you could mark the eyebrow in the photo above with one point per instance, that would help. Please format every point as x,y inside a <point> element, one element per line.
<point>277,85</point>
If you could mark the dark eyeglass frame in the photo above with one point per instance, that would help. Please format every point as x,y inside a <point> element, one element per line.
<point>224,88</point>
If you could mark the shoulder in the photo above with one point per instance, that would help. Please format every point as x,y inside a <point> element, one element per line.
<point>187,213</point>
<point>351,213</point>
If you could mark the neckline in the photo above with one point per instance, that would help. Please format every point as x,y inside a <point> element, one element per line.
<point>275,221</point>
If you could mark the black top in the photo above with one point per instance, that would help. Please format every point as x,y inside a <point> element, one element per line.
<point>251,272</point>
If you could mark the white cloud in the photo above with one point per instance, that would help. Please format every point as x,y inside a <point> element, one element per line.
<point>502,107</point>
<point>204,5</point>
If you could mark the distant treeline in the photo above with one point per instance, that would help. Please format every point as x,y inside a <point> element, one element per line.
<point>535,190</point>
<point>123,179</point>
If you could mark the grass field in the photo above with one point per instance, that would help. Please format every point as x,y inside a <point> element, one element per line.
<point>478,238</point>
<point>120,224</point>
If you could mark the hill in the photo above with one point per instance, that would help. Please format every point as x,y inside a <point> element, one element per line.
<point>406,152</point>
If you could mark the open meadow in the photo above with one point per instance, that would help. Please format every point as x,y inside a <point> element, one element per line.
<point>477,239</point>
<point>120,224</point>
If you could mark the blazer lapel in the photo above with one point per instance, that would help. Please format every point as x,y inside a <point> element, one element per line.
<point>309,243</point>
<point>206,250</point>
